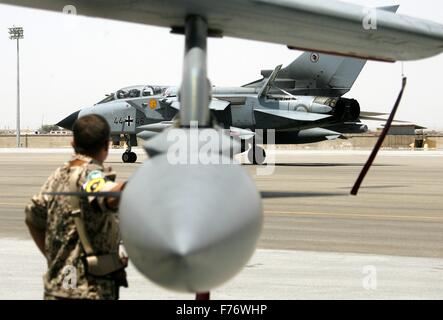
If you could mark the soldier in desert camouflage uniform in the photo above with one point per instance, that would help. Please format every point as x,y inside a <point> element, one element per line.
<point>58,232</point>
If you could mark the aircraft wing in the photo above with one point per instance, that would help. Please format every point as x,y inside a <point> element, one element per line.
<point>293,115</point>
<point>335,28</point>
<point>218,105</point>
<point>372,114</point>
<point>215,104</point>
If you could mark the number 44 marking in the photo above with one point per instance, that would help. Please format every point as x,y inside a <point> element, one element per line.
<point>128,121</point>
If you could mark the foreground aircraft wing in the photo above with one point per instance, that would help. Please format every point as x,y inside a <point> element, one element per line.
<point>336,28</point>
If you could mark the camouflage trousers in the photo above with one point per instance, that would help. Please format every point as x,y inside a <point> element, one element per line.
<point>47,296</point>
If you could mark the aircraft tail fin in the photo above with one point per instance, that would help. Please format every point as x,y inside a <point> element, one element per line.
<point>316,74</point>
<point>321,71</point>
<point>320,74</point>
<point>328,71</point>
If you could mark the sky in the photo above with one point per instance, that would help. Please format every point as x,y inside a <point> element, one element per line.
<point>69,62</point>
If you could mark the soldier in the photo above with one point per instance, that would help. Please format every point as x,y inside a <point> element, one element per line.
<point>79,237</point>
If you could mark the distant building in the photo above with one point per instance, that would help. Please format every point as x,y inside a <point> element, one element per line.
<point>7,132</point>
<point>408,129</point>
<point>60,132</point>
<point>10,132</point>
<point>29,132</point>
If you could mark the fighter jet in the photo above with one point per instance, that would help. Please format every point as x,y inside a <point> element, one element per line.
<point>197,225</point>
<point>303,102</point>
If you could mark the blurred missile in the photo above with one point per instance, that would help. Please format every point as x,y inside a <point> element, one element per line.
<point>146,135</point>
<point>151,130</point>
<point>190,227</point>
<point>157,127</point>
<point>244,134</point>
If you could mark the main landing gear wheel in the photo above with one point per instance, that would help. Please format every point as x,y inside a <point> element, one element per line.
<point>129,157</point>
<point>257,155</point>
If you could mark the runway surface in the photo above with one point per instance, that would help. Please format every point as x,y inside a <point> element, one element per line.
<point>317,240</point>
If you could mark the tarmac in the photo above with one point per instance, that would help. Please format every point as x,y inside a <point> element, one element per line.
<point>318,242</point>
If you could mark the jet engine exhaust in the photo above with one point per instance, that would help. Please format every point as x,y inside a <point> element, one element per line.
<point>347,109</point>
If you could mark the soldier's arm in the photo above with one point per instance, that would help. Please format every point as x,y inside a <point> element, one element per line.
<point>36,215</point>
<point>38,236</point>
<point>95,179</point>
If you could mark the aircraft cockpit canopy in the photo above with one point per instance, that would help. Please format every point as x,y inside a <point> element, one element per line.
<point>134,92</point>
<point>171,92</point>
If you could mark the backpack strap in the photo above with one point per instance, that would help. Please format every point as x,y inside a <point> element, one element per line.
<point>77,213</point>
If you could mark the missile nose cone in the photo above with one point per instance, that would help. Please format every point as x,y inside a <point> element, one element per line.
<point>190,228</point>
<point>68,122</point>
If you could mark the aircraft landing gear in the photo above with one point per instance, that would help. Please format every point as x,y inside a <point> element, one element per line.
<point>257,155</point>
<point>128,156</point>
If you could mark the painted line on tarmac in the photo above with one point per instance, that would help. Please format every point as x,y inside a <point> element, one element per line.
<point>12,204</point>
<point>356,216</point>
<point>317,214</point>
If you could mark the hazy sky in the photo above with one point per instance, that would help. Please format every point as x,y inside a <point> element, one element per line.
<point>70,62</point>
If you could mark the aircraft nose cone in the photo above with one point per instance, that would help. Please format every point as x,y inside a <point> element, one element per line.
<point>68,122</point>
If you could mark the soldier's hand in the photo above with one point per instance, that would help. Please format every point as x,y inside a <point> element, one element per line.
<point>113,202</point>
<point>125,261</point>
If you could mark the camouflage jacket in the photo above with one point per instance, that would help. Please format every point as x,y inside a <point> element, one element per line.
<point>67,275</point>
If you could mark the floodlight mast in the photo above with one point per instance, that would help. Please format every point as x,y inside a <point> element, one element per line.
<point>16,33</point>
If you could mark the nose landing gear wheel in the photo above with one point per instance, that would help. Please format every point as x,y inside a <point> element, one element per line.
<point>133,157</point>
<point>257,155</point>
<point>125,157</point>
<point>129,157</point>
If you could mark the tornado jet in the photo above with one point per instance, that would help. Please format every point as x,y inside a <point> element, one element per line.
<point>303,103</point>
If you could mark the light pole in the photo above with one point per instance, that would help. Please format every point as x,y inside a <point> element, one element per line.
<point>16,33</point>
